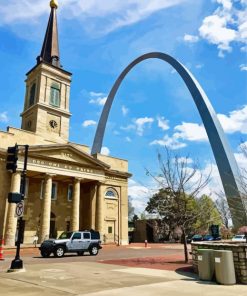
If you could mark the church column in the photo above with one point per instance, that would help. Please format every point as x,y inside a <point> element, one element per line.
<point>46,209</point>
<point>11,221</point>
<point>93,196</point>
<point>100,211</point>
<point>76,205</point>
<point>124,215</point>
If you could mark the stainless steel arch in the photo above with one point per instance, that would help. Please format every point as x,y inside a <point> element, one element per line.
<point>225,160</point>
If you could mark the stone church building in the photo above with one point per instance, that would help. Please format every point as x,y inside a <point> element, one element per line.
<point>66,187</point>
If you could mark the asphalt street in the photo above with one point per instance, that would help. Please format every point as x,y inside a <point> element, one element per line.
<point>32,255</point>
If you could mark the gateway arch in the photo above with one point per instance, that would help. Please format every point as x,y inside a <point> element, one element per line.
<point>224,158</point>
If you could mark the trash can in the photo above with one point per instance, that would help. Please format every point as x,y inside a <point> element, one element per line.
<point>205,259</point>
<point>224,267</point>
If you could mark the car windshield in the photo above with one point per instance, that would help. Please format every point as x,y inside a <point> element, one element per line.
<point>208,236</point>
<point>65,235</point>
<point>238,236</point>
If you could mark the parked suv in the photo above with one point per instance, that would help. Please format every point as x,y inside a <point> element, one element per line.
<point>239,238</point>
<point>72,242</point>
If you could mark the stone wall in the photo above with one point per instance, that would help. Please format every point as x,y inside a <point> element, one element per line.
<point>239,256</point>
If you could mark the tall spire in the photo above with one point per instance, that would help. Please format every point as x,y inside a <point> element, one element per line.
<point>50,48</point>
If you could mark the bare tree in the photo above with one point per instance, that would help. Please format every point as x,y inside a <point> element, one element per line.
<point>180,181</point>
<point>223,208</point>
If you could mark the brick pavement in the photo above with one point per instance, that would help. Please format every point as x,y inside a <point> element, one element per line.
<point>168,262</point>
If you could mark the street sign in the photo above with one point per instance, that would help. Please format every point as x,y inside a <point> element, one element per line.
<point>19,211</point>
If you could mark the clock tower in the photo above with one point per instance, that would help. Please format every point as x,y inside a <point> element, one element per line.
<point>46,107</point>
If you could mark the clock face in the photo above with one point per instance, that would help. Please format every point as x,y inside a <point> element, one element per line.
<point>53,124</point>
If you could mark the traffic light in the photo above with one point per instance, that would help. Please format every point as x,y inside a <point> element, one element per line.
<point>14,197</point>
<point>12,158</point>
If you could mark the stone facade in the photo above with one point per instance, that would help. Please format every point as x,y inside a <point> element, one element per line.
<point>39,111</point>
<point>239,256</point>
<point>87,193</point>
<point>67,188</point>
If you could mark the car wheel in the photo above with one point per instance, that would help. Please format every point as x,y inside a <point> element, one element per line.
<point>80,253</point>
<point>45,254</point>
<point>94,251</point>
<point>59,252</point>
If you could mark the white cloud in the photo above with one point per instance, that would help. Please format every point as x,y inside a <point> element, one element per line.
<point>235,122</point>
<point>187,132</point>
<point>191,38</point>
<point>199,66</point>
<point>169,142</point>
<point>214,186</point>
<point>96,94</point>
<point>98,101</point>
<point>127,139</point>
<point>163,123</point>
<point>114,14</point>
<point>194,132</point>
<point>117,133</point>
<point>139,195</point>
<point>128,127</point>
<point>214,29</point>
<point>141,122</point>
<point>139,125</point>
<point>187,160</point>
<point>241,160</point>
<point>124,110</point>
<point>243,67</point>
<point>87,123</point>
<point>227,4</point>
<point>105,151</point>
<point>4,117</point>
<point>226,25</point>
<point>97,98</point>
<point>191,132</point>
<point>244,48</point>
<point>24,10</point>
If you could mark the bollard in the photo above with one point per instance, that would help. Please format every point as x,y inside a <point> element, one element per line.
<point>146,243</point>
<point>1,249</point>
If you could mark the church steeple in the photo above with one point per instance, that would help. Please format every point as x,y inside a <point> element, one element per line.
<point>46,107</point>
<point>50,49</point>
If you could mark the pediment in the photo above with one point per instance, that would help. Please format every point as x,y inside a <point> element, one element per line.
<point>65,153</point>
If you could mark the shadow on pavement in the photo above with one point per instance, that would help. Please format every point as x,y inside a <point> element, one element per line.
<point>65,256</point>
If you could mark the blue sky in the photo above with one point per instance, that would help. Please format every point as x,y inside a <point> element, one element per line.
<point>153,108</point>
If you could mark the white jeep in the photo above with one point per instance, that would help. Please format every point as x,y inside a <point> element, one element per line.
<point>72,242</point>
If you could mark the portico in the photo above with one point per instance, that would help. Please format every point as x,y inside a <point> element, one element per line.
<point>72,186</point>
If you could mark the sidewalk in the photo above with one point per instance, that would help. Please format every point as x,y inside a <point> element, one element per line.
<point>97,279</point>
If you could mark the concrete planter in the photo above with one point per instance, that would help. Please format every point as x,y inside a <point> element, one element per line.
<point>239,256</point>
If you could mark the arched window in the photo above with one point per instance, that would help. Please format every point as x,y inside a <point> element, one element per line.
<point>111,193</point>
<point>55,95</point>
<point>32,95</point>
